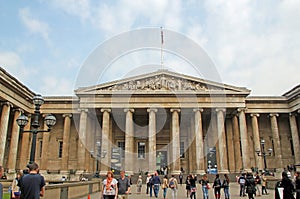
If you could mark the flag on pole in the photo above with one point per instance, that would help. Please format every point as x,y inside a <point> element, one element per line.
<point>162,35</point>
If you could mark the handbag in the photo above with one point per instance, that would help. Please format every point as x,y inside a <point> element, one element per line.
<point>208,186</point>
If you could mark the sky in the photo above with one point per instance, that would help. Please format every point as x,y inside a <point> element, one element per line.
<point>252,43</point>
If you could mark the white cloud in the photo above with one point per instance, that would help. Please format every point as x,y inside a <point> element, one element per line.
<point>34,25</point>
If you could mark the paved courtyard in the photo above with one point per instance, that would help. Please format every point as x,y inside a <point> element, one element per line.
<point>234,193</point>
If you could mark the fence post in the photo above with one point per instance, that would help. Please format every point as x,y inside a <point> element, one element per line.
<point>1,190</point>
<point>64,193</point>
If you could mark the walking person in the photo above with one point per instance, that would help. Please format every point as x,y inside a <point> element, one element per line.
<point>164,186</point>
<point>242,181</point>
<point>139,185</point>
<point>288,186</point>
<point>297,183</point>
<point>151,185</point>
<point>264,184</point>
<point>156,184</point>
<point>173,185</point>
<point>205,186</point>
<point>188,186</point>
<point>148,183</point>
<point>257,184</point>
<point>33,184</point>
<point>123,186</point>
<point>15,189</point>
<point>180,178</point>
<point>193,187</point>
<point>217,187</point>
<point>225,186</point>
<point>250,185</point>
<point>110,186</point>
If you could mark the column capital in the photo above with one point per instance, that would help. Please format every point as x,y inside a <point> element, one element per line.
<point>152,110</point>
<point>298,111</point>
<point>220,110</point>
<point>274,114</point>
<point>241,109</point>
<point>198,109</point>
<point>254,115</point>
<point>7,103</point>
<point>292,114</point>
<point>18,109</point>
<point>67,115</point>
<point>106,110</point>
<point>83,110</point>
<point>174,110</point>
<point>129,109</point>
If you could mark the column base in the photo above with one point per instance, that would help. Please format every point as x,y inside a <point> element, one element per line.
<point>102,173</point>
<point>78,172</point>
<point>223,171</point>
<point>200,172</point>
<point>64,172</point>
<point>175,172</point>
<point>11,171</point>
<point>129,172</point>
<point>151,172</point>
<point>43,172</point>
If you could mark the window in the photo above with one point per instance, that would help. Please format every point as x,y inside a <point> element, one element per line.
<point>181,149</point>
<point>41,148</point>
<point>121,146</point>
<point>141,150</point>
<point>60,149</point>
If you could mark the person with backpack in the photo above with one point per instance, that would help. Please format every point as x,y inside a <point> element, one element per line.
<point>250,185</point>
<point>242,181</point>
<point>173,185</point>
<point>225,186</point>
<point>164,186</point>
<point>257,184</point>
<point>288,187</point>
<point>217,186</point>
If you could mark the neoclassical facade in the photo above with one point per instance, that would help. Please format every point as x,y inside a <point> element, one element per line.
<point>150,121</point>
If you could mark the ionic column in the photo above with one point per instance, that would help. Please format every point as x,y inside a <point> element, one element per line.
<point>276,140</point>
<point>152,139</point>
<point>175,141</point>
<point>244,140</point>
<point>81,141</point>
<point>106,141</point>
<point>3,129</point>
<point>129,141</point>
<point>223,167</point>
<point>24,156</point>
<point>14,142</point>
<point>295,137</point>
<point>230,145</point>
<point>236,143</point>
<point>45,148</point>
<point>199,142</point>
<point>66,141</point>
<point>256,140</point>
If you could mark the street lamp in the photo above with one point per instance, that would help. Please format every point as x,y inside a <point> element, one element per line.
<point>22,121</point>
<point>209,166</point>
<point>263,153</point>
<point>99,155</point>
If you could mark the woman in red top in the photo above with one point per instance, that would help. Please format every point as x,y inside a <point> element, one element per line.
<point>110,187</point>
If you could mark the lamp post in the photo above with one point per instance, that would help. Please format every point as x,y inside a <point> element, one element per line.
<point>263,153</point>
<point>99,155</point>
<point>22,121</point>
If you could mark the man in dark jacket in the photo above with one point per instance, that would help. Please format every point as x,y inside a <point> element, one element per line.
<point>250,186</point>
<point>288,187</point>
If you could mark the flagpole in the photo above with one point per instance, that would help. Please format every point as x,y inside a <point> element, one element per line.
<point>161,47</point>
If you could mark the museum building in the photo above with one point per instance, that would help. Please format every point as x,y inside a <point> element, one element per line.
<point>152,121</point>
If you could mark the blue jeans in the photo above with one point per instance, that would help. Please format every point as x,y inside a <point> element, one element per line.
<point>226,192</point>
<point>205,192</point>
<point>151,188</point>
<point>165,192</point>
<point>156,190</point>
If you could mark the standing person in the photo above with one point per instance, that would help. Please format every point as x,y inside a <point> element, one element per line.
<point>205,186</point>
<point>148,183</point>
<point>110,186</point>
<point>156,183</point>
<point>288,186</point>
<point>193,186</point>
<point>217,186</point>
<point>242,181</point>
<point>173,185</point>
<point>151,185</point>
<point>15,189</point>
<point>123,186</point>
<point>257,184</point>
<point>225,185</point>
<point>297,182</point>
<point>188,186</point>
<point>250,185</point>
<point>139,185</point>
<point>32,185</point>
<point>264,185</point>
<point>180,178</point>
<point>164,186</point>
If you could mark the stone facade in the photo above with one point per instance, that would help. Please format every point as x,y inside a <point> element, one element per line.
<point>150,121</point>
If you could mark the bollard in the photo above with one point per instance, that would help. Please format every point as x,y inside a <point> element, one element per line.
<point>64,192</point>
<point>1,190</point>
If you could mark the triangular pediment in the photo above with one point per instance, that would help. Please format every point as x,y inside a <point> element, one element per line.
<point>162,81</point>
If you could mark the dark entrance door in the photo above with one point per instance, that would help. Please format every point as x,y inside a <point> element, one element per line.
<point>161,160</point>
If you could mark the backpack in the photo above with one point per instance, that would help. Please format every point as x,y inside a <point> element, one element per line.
<point>171,184</point>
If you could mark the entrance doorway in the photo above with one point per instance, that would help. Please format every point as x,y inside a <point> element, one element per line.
<point>161,160</point>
